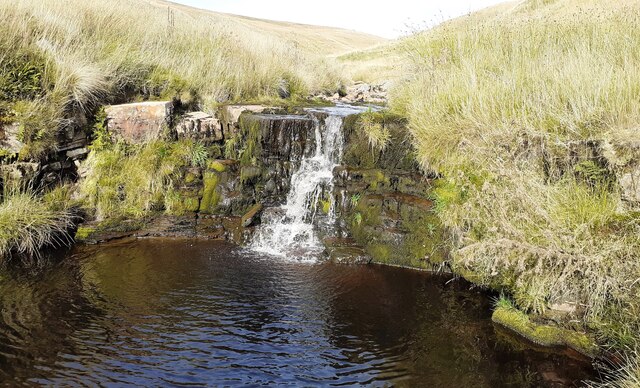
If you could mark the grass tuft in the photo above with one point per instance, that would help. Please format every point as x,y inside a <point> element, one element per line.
<point>29,222</point>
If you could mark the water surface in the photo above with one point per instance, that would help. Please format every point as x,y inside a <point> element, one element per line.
<point>186,313</point>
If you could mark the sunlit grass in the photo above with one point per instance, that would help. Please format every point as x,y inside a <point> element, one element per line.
<point>29,222</point>
<point>494,102</point>
<point>77,55</point>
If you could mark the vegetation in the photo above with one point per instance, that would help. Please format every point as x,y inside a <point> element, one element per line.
<point>508,106</point>
<point>625,376</point>
<point>59,60</point>
<point>377,64</point>
<point>29,222</point>
<point>134,180</point>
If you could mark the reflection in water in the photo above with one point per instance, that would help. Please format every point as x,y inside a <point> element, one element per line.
<point>182,312</point>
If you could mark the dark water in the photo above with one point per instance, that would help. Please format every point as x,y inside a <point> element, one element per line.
<point>167,313</point>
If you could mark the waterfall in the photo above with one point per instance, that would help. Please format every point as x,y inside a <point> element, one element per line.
<point>288,231</point>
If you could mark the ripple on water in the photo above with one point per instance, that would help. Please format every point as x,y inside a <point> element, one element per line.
<point>183,313</point>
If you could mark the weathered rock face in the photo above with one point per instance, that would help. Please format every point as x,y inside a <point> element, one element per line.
<point>388,213</point>
<point>630,184</point>
<point>9,141</point>
<point>230,117</point>
<point>271,147</point>
<point>361,92</point>
<point>139,122</point>
<point>624,158</point>
<point>200,126</point>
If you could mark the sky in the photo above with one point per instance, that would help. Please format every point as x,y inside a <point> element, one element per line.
<point>386,18</point>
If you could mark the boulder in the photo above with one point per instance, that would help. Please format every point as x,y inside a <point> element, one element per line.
<point>252,217</point>
<point>139,122</point>
<point>200,126</point>
<point>78,153</point>
<point>230,115</point>
<point>19,173</point>
<point>9,139</point>
<point>630,183</point>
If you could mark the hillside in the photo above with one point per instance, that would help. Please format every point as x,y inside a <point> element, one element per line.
<point>328,41</point>
<point>530,113</point>
<point>62,59</point>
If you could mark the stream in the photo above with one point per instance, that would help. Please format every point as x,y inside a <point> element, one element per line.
<point>162,312</point>
<point>157,312</point>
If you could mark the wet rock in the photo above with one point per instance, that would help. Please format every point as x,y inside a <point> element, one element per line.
<point>210,228</point>
<point>252,217</point>
<point>250,174</point>
<point>139,122</point>
<point>270,186</point>
<point>19,173</point>
<point>170,226</point>
<point>200,126</point>
<point>78,153</point>
<point>345,251</point>
<point>349,255</point>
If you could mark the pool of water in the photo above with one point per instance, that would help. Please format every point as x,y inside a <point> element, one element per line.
<point>163,312</point>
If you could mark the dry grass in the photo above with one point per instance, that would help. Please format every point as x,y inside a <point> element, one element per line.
<point>497,102</point>
<point>76,55</point>
<point>378,64</point>
<point>29,222</point>
<point>326,41</point>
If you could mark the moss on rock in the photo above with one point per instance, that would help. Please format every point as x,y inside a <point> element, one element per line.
<point>210,195</point>
<point>544,335</point>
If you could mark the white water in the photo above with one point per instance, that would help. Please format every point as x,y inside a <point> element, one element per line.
<point>288,231</point>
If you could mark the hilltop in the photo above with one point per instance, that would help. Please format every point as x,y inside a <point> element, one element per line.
<point>329,41</point>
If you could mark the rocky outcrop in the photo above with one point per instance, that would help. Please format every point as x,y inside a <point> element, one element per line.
<point>230,117</point>
<point>199,126</point>
<point>139,122</point>
<point>360,92</point>
<point>623,155</point>
<point>9,141</point>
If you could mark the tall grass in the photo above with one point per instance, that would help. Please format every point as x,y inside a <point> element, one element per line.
<point>495,101</point>
<point>80,54</point>
<point>29,222</point>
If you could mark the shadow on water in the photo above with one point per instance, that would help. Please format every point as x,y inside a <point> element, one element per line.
<point>158,312</point>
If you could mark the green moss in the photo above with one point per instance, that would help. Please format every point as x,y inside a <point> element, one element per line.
<point>84,233</point>
<point>248,141</point>
<point>190,178</point>
<point>216,165</point>
<point>210,196</point>
<point>250,174</point>
<point>380,252</point>
<point>326,206</point>
<point>544,335</point>
<point>446,193</point>
<point>191,204</point>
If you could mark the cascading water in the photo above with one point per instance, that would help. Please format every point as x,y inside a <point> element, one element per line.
<point>288,231</point>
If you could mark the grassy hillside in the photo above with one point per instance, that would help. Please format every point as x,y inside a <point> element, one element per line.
<point>529,111</point>
<point>61,58</point>
<point>381,63</point>
<point>316,39</point>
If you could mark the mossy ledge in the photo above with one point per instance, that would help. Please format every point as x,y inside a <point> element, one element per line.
<point>544,335</point>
